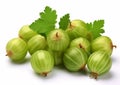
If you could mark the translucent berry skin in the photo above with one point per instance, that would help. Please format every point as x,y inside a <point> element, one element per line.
<point>58,56</point>
<point>77,28</point>
<point>42,62</point>
<point>75,59</point>
<point>58,40</point>
<point>16,49</point>
<point>26,33</point>
<point>99,63</point>
<point>102,42</point>
<point>37,42</point>
<point>81,43</point>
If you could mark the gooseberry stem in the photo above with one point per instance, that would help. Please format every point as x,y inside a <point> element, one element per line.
<point>81,46</point>
<point>93,75</point>
<point>71,26</point>
<point>57,34</point>
<point>20,36</point>
<point>9,53</point>
<point>44,74</point>
<point>114,46</point>
<point>83,69</point>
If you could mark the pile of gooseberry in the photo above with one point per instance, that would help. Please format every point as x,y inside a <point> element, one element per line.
<point>70,48</point>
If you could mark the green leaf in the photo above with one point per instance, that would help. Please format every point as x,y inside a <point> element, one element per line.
<point>64,21</point>
<point>49,15</point>
<point>46,22</point>
<point>96,28</point>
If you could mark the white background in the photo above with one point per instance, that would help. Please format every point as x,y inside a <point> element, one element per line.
<point>16,13</point>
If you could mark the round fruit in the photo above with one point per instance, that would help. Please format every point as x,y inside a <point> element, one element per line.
<point>16,49</point>
<point>81,43</point>
<point>75,59</point>
<point>76,28</point>
<point>58,40</point>
<point>99,63</point>
<point>58,56</point>
<point>102,42</point>
<point>37,42</point>
<point>42,62</point>
<point>26,33</point>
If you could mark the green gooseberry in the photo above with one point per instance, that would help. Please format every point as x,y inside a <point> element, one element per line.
<point>42,62</point>
<point>16,49</point>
